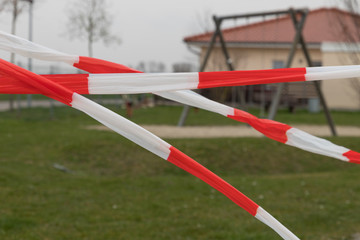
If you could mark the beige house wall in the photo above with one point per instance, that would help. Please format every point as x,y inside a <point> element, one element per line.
<point>255,58</point>
<point>339,94</point>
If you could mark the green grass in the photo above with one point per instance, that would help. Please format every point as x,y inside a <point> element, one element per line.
<point>116,190</point>
<point>169,115</point>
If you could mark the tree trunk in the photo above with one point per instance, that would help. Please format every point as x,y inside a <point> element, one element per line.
<point>90,44</point>
<point>90,50</point>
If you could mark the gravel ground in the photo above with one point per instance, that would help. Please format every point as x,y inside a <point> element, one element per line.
<point>165,131</point>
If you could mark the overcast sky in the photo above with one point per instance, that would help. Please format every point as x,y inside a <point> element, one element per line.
<point>150,30</point>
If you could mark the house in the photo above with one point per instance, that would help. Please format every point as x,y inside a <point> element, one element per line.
<point>332,38</point>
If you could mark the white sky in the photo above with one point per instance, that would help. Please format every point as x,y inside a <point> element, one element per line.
<point>150,30</point>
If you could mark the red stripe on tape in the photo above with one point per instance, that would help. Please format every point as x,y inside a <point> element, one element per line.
<point>78,83</point>
<point>354,157</point>
<point>251,77</point>
<point>94,65</point>
<point>75,82</point>
<point>44,85</point>
<point>188,164</point>
<point>269,128</point>
<point>11,85</point>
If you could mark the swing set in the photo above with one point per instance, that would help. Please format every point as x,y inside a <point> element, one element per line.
<point>298,17</point>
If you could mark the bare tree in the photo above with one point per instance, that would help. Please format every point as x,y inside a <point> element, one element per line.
<point>183,67</point>
<point>151,67</point>
<point>15,7</point>
<point>90,20</point>
<point>204,21</point>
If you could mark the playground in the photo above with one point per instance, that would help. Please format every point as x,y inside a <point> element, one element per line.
<point>227,152</point>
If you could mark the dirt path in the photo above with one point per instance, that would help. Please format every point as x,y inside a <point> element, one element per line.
<point>165,131</point>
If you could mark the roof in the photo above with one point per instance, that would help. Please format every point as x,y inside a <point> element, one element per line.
<point>321,25</point>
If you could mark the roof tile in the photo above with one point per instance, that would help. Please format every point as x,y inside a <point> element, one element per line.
<point>322,25</point>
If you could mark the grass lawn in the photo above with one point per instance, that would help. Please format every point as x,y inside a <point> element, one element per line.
<point>170,115</point>
<point>116,190</point>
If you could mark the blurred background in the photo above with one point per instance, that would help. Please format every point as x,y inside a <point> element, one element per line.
<point>63,176</point>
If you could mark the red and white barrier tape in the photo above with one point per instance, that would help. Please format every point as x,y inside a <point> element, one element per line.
<point>132,83</point>
<point>143,138</point>
<point>138,82</point>
<point>107,83</point>
<point>275,130</point>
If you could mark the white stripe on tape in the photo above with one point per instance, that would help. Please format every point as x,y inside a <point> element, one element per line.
<point>330,68</point>
<point>126,83</point>
<point>328,75</point>
<point>269,220</point>
<point>308,142</point>
<point>26,48</point>
<point>122,126</point>
<point>196,100</point>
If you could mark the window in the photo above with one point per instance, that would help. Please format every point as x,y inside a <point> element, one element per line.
<point>317,63</point>
<point>278,64</point>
